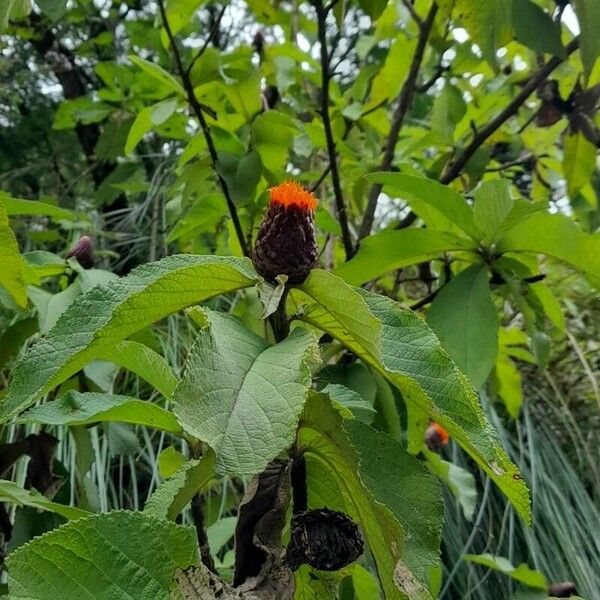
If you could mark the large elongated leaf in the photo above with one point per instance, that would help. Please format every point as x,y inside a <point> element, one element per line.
<point>19,206</point>
<point>438,205</point>
<point>407,488</point>
<point>142,361</point>
<point>401,346</point>
<point>12,270</point>
<point>75,408</point>
<point>321,435</point>
<point>242,396</point>
<point>13,494</point>
<point>112,555</point>
<point>556,236</point>
<point>588,13</point>
<point>394,249</point>
<point>109,313</point>
<point>465,319</point>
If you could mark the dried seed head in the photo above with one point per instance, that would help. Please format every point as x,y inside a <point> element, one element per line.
<point>436,437</point>
<point>324,539</point>
<point>83,252</point>
<point>286,242</point>
<point>562,589</point>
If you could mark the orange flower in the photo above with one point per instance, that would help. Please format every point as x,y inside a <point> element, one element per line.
<point>436,437</point>
<point>286,242</point>
<point>290,193</point>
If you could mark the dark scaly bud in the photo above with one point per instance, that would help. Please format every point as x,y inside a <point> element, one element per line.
<point>324,539</point>
<point>83,252</point>
<point>562,589</point>
<point>286,242</point>
<point>258,43</point>
<point>436,437</point>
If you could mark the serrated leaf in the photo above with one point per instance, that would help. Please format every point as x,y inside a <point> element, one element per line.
<point>321,435</point>
<point>242,396</point>
<point>109,313</point>
<point>399,345</point>
<point>558,237</point>
<point>144,362</point>
<point>157,72</point>
<point>11,493</point>
<point>404,485</point>
<point>113,555</point>
<point>173,495</point>
<point>12,272</point>
<point>77,408</point>
<point>464,318</point>
<point>438,205</point>
<point>393,249</point>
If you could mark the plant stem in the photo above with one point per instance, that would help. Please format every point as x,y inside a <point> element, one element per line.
<point>198,516</point>
<point>197,108</point>
<point>405,100</point>
<point>335,175</point>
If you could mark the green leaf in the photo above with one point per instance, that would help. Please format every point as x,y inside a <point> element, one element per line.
<point>148,118</point>
<point>76,408</point>
<point>489,24</point>
<point>535,28</point>
<point>175,493</point>
<point>113,555</point>
<point>270,295</point>
<point>157,72</point>
<point>12,275</point>
<point>438,205</point>
<point>394,249</point>
<point>18,206</point>
<point>142,361</point>
<point>362,409</point>
<point>322,437</point>
<point>579,161</point>
<point>180,13</point>
<point>242,396</point>
<point>405,486</point>
<point>13,9</point>
<point>241,174</point>
<point>373,8</point>
<point>465,319</point>
<point>109,313</point>
<point>460,482</point>
<point>507,384</point>
<point>399,345</point>
<point>245,96</point>
<point>54,9</point>
<point>203,215</point>
<point>13,494</point>
<point>448,110</point>
<point>558,237</point>
<point>521,573</point>
<point>588,14</point>
<point>219,533</point>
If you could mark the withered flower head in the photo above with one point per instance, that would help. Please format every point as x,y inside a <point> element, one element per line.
<point>286,242</point>
<point>324,539</point>
<point>436,437</point>
<point>83,252</point>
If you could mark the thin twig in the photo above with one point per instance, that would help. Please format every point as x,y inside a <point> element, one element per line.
<point>404,103</point>
<point>198,516</point>
<point>458,163</point>
<point>413,13</point>
<point>197,108</point>
<point>335,176</point>
<point>211,35</point>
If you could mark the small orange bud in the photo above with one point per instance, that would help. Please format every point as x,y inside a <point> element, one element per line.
<point>436,437</point>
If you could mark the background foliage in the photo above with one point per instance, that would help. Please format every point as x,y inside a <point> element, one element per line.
<point>453,146</point>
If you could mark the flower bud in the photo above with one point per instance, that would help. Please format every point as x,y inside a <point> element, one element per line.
<point>324,539</point>
<point>286,242</point>
<point>83,252</point>
<point>562,589</point>
<point>436,437</point>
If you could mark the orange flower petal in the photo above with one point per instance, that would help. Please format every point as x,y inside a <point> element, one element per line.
<point>290,193</point>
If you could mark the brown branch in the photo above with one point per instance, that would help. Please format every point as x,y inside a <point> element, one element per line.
<point>331,150</point>
<point>404,103</point>
<point>413,13</point>
<point>197,108</point>
<point>199,524</point>
<point>455,167</point>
